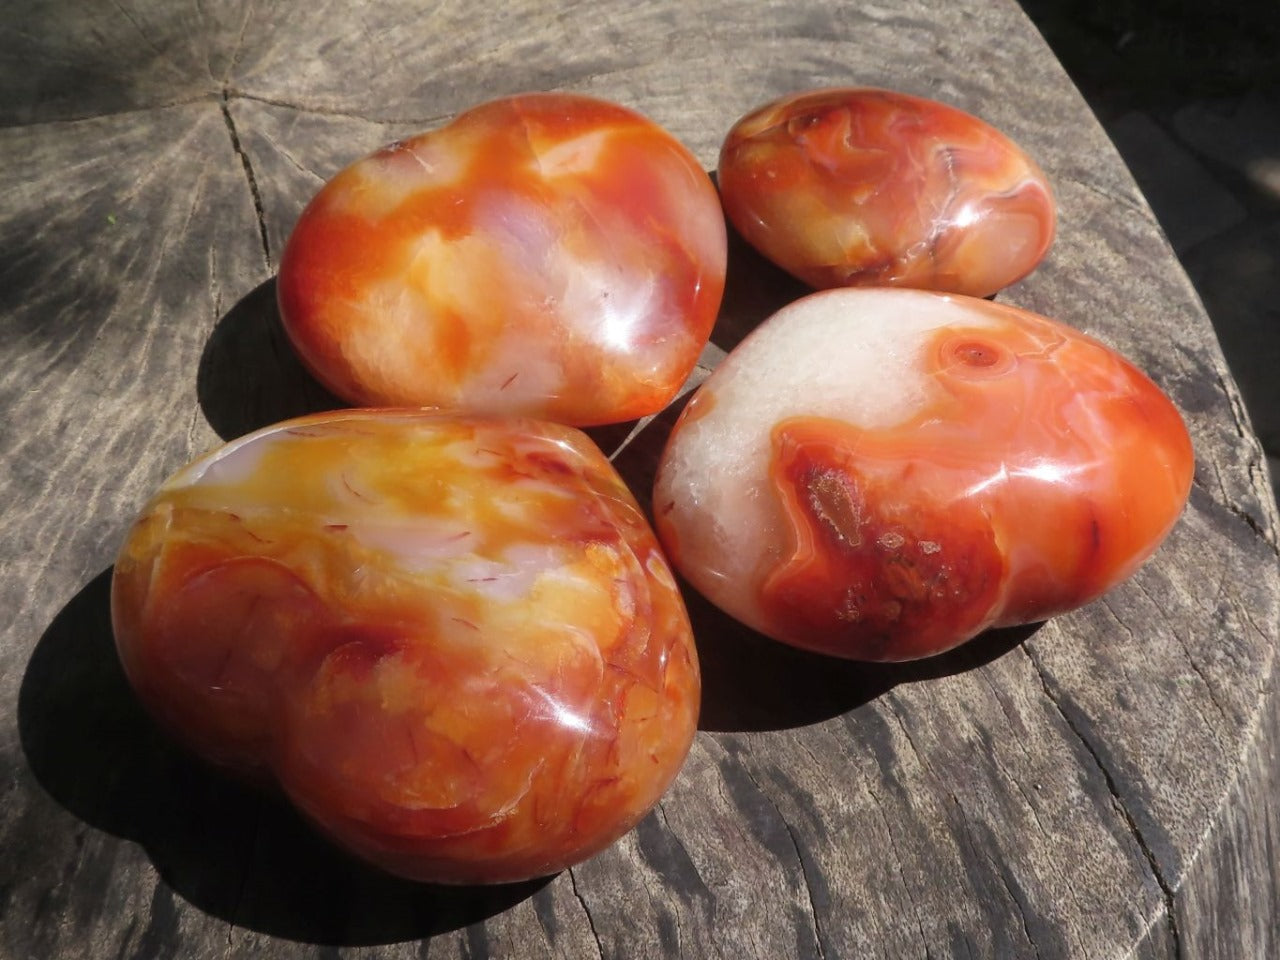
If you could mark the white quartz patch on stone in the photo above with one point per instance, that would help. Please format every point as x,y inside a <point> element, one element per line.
<point>849,355</point>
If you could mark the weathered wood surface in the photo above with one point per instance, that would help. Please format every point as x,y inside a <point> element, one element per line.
<point>1103,786</point>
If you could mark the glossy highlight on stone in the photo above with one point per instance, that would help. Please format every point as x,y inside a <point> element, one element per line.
<point>454,642</point>
<point>867,187</point>
<point>883,474</point>
<point>545,255</point>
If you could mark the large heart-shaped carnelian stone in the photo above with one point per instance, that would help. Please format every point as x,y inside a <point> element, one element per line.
<point>453,641</point>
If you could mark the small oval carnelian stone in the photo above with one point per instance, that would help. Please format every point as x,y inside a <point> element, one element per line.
<point>865,187</point>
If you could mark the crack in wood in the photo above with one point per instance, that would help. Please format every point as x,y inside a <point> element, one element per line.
<point>974,843</point>
<point>655,908</point>
<point>248,873</point>
<point>1222,499</point>
<point>1217,475</point>
<point>215,289</point>
<point>1017,784</point>
<point>710,897</point>
<point>324,111</point>
<point>591,922</point>
<point>1129,202</point>
<point>1186,650</point>
<point>980,849</point>
<point>193,427</point>
<point>1008,888</point>
<point>159,164</point>
<point>1238,416</point>
<point>1264,533</point>
<point>161,53</point>
<point>808,888</point>
<point>891,702</point>
<point>227,92</point>
<point>298,164</point>
<point>62,121</point>
<point>234,60</point>
<point>1257,476</point>
<point>249,176</point>
<point>897,859</point>
<point>819,937</point>
<point>1118,801</point>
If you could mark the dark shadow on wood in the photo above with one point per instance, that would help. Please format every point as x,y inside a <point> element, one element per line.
<point>609,436</point>
<point>59,61</point>
<point>231,850</point>
<point>754,289</point>
<point>249,376</point>
<point>637,462</point>
<point>1162,50</point>
<point>752,683</point>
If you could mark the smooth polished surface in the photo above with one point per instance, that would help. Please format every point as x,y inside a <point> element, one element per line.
<point>544,255</point>
<point>945,465</point>
<point>867,187</point>
<point>454,642</point>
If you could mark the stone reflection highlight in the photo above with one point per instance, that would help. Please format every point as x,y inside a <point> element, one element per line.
<point>866,187</point>
<point>883,474</point>
<point>545,255</point>
<point>453,641</point>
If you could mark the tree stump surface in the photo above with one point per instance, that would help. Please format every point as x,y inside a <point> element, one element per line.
<point>1102,785</point>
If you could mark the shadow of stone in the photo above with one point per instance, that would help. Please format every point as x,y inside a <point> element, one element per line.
<point>249,376</point>
<point>754,289</point>
<point>637,462</point>
<point>229,849</point>
<point>610,436</point>
<point>751,683</point>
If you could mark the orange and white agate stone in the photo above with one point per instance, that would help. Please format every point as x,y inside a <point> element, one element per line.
<point>454,642</point>
<point>545,255</point>
<point>867,187</point>
<point>884,474</point>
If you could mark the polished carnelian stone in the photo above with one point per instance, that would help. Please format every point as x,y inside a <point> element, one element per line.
<point>546,255</point>
<point>883,474</point>
<point>866,187</point>
<point>453,641</point>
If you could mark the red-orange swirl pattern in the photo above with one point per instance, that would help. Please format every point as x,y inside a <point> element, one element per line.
<point>999,468</point>
<point>546,255</point>
<point>453,641</point>
<point>866,187</point>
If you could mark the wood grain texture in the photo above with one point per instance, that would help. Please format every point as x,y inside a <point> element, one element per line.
<point>1100,786</point>
<point>67,61</point>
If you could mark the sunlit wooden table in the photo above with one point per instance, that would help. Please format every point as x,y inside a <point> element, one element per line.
<point>1101,786</point>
